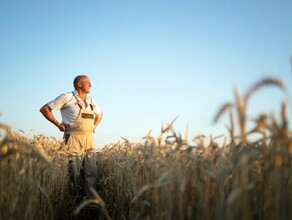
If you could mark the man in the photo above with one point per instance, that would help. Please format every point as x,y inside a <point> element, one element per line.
<point>80,116</point>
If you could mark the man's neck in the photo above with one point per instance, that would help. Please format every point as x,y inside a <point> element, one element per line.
<point>82,95</point>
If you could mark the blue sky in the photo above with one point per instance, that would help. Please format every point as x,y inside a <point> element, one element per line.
<point>148,61</point>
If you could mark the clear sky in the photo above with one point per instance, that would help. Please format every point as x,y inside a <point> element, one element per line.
<point>148,60</point>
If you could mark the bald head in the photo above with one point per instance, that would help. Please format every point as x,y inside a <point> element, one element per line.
<point>78,79</point>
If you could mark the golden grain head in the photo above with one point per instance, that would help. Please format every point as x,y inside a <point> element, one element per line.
<point>263,83</point>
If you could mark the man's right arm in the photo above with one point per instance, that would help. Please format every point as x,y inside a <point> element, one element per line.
<point>47,113</point>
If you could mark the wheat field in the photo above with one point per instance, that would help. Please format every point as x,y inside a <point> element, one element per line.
<point>165,177</point>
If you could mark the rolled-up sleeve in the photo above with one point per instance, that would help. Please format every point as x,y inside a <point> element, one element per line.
<point>58,102</point>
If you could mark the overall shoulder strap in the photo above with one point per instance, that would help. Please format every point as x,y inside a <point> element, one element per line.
<point>91,105</point>
<point>80,106</point>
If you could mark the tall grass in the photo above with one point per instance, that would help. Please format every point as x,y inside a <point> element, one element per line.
<point>166,177</point>
<point>243,179</point>
<point>33,177</point>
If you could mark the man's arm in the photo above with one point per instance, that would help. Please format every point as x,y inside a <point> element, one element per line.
<point>97,119</point>
<point>47,113</point>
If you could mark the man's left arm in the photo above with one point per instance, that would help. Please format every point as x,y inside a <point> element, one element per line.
<point>97,119</point>
<point>98,113</point>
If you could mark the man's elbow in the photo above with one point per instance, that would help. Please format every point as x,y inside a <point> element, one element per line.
<point>44,110</point>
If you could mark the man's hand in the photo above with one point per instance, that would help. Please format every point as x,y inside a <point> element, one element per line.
<point>47,112</point>
<point>62,127</point>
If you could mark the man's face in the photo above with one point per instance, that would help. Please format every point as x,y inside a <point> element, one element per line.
<point>85,85</point>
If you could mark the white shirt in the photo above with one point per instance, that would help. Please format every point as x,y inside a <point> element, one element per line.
<point>68,105</point>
